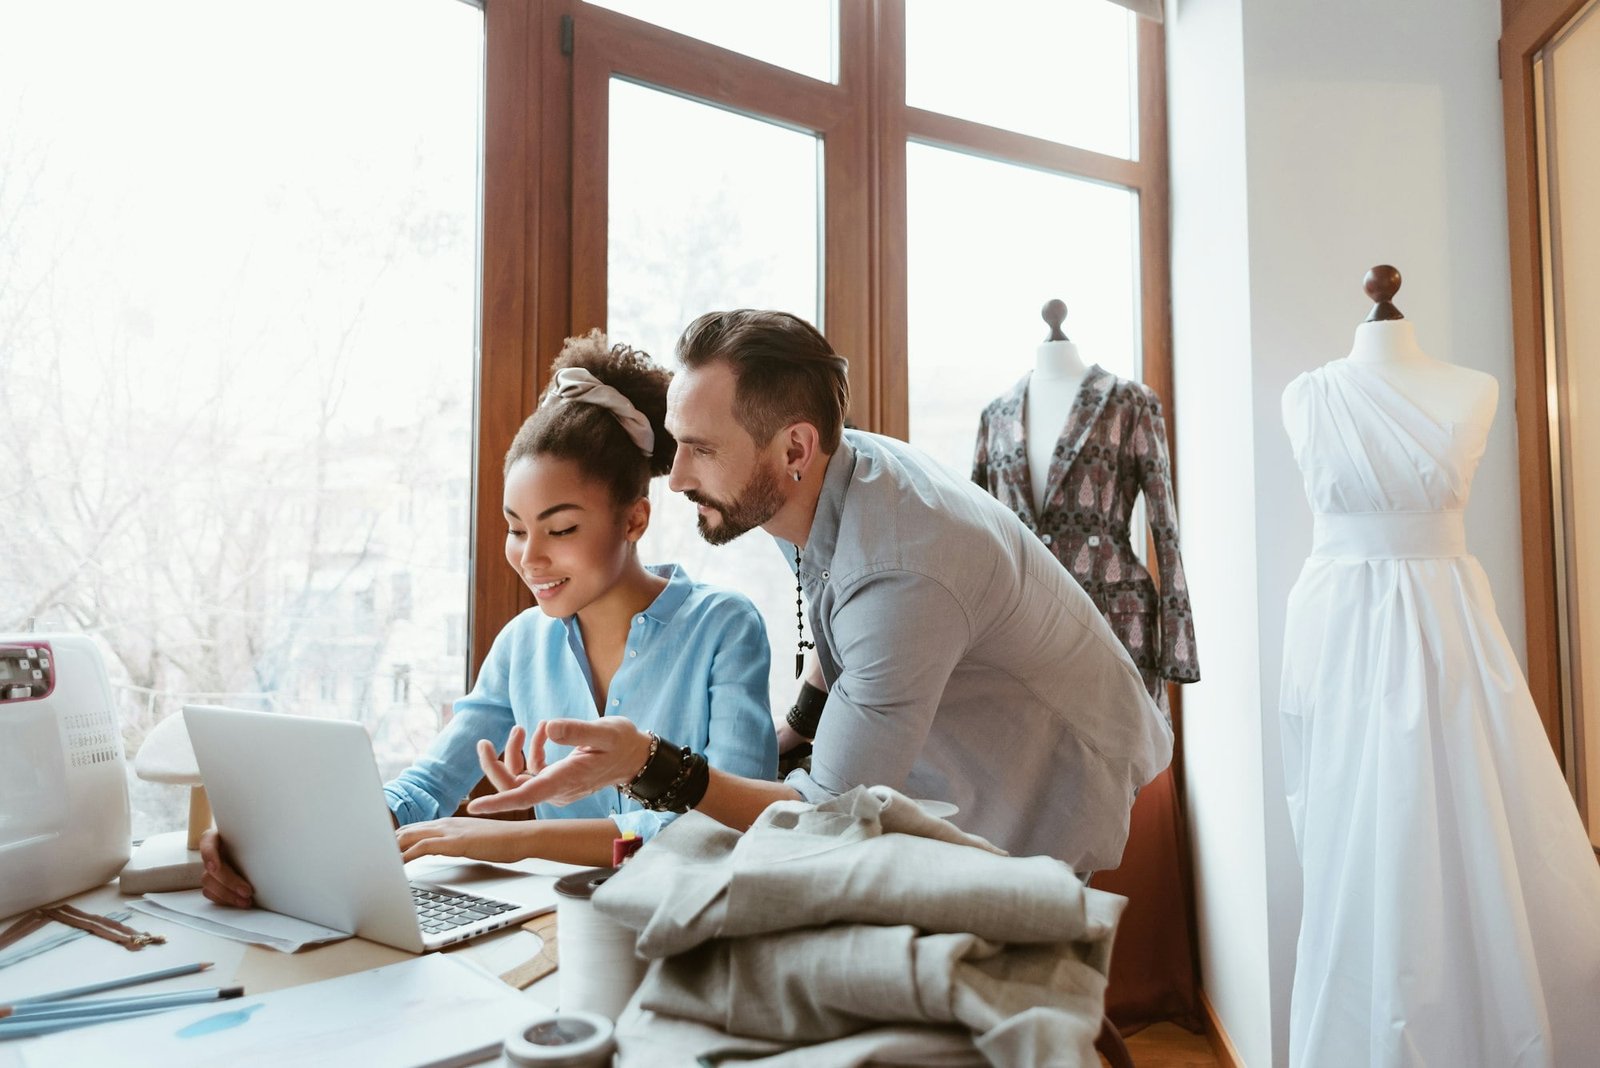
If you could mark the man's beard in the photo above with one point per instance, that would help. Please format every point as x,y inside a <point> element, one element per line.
<point>758,502</point>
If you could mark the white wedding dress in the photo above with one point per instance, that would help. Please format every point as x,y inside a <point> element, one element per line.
<point>1452,899</point>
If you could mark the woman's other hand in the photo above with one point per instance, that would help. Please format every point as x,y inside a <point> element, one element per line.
<point>221,883</point>
<point>498,841</point>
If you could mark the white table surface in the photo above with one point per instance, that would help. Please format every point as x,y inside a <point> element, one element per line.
<point>259,969</point>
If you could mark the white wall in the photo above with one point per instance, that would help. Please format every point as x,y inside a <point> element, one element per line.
<point>1370,133</point>
<point>1216,451</point>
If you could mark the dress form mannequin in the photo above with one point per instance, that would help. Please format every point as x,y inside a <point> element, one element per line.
<point>1428,811</point>
<point>1387,343</point>
<point>1058,371</point>
<point>1071,449</point>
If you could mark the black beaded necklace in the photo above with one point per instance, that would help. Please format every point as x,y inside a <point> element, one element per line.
<point>800,643</point>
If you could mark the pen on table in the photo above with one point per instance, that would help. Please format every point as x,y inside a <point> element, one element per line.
<point>99,1006</point>
<point>114,984</point>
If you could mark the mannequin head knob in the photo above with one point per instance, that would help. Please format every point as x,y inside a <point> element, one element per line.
<point>1055,313</point>
<point>1381,284</point>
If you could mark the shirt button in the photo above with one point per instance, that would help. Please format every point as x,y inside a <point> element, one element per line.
<point>638,621</point>
<point>615,701</point>
<point>1094,540</point>
<point>633,652</point>
<point>1045,539</point>
<point>824,574</point>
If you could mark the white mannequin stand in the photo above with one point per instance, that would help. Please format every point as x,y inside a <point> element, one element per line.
<point>1058,371</point>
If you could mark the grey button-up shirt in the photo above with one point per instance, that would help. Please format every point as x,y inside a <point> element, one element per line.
<point>965,664</point>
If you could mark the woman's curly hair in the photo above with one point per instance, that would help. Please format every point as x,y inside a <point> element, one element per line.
<point>590,436</point>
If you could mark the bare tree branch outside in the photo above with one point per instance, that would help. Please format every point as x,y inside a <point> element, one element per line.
<point>237,344</point>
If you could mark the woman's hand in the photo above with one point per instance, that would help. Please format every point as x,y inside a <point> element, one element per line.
<point>511,771</point>
<point>221,883</point>
<point>462,836</point>
<point>606,752</point>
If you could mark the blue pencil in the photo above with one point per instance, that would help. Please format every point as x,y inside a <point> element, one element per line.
<point>28,1026</point>
<point>113,984</point>
<point>170,1000</point>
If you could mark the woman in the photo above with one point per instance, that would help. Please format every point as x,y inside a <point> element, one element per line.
<point>610,636</point>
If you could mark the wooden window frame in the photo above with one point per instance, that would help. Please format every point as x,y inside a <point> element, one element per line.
<point>544,252</point>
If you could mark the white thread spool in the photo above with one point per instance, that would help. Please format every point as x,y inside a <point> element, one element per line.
<point>562,1040</point>
<point>599,971</point>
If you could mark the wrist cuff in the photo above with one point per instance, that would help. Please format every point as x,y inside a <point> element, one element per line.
<point>806,715</point>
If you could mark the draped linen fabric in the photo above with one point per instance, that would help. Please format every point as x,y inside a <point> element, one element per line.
<point>864,925</point>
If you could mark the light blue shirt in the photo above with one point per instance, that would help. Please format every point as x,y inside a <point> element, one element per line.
<point>694,671</point>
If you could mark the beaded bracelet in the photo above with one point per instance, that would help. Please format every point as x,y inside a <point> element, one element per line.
<point>654,775</point>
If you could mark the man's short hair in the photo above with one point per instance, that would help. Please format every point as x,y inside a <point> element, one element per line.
<point>784,371</point>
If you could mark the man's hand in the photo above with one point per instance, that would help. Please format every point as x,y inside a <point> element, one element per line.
<point>606,752</point>
<point>460,836</point>
<point>221,883</point>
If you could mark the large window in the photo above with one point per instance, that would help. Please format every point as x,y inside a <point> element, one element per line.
<point>918,178</point>
<point>732,228</point>
<point>976,282</point>
<point>251,415</point>
<point>238,309</point>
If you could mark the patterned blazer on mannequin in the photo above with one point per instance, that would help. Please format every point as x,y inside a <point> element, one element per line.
<point>1113,446</point>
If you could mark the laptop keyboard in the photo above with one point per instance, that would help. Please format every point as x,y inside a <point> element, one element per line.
<point>442,910</point>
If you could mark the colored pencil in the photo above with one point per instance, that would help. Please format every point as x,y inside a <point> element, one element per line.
<point>170,1000</point>
<point>112,984</point>
<point>28,1027</point>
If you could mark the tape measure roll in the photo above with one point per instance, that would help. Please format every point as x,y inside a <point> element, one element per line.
<point>563,1040</point>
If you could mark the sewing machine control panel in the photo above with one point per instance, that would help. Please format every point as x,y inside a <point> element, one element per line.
<point>27,671</point>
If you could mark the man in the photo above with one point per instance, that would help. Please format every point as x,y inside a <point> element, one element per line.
<point>963,663</point>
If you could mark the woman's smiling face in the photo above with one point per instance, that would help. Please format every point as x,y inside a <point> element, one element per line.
<point>565,536</point>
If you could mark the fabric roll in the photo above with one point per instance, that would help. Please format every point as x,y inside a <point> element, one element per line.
<point>868,856</point>
<point>857,918</point>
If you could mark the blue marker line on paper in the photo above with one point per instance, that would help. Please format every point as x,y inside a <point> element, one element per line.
<point>220,1022</point>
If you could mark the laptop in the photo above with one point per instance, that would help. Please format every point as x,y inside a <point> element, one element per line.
<point>300,803</point>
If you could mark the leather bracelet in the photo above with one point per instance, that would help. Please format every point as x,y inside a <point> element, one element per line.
<point>691,790</point>
<point>673,779</point>
<point>806,715</point>
<point>660,772</point>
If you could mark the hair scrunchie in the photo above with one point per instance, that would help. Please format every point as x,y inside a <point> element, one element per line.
<point>579,384</point>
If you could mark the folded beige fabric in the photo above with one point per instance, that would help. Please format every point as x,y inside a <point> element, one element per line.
<point>649,1040</point>
<point>827,923</point>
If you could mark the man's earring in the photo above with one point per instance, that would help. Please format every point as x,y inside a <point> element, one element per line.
<point>795,475</point>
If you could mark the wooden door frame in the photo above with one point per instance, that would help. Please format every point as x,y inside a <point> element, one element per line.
<point>1527,26</point>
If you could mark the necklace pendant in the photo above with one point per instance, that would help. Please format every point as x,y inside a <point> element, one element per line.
<point>799,663</point>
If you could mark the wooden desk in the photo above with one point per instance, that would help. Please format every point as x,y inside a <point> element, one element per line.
<point>260,970</point>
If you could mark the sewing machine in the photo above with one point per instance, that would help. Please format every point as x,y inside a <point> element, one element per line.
<point>64,822</point>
